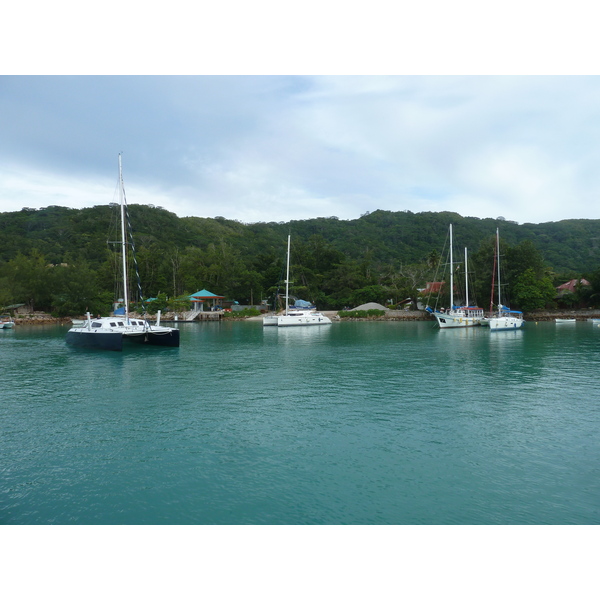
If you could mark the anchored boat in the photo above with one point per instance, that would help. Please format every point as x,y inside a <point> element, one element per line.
<point>294,316</point>
<point>457,315</point>
<point>109,333</point>
<point>504,318</point>
<point>6,322</point>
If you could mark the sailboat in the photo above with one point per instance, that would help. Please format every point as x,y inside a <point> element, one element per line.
<point>457,316</point>
<point>504,318</point>
<point>294,316</point>
<point>109,333</point>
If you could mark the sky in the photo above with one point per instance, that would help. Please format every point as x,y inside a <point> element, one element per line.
<point>288,147</point>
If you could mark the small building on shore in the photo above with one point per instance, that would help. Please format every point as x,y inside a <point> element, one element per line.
<point>569,294</point>
<point>571,286</point>
<point>204,296</point>
<point>18,309</point>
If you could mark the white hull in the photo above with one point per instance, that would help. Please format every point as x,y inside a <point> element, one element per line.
<point>504,323</point>
<point>270,321</point>
<point>450,321</point>
<point>566,320</point>
<point>301,318</point>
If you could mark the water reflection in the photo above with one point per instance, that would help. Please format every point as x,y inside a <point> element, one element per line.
<point>298,335</point>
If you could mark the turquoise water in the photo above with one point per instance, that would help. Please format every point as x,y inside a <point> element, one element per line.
<point>355,423</point>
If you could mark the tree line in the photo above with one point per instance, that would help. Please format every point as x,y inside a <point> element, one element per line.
<point>63,260</point>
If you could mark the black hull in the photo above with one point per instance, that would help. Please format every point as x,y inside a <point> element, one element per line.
<point>114,340</point>
<point>101,341</point>
<point>169,339</point>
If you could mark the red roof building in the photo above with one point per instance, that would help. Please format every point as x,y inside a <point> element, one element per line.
<point>571,286</point>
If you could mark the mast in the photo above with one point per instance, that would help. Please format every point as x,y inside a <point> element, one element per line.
<point>451,273</point>
<point>466,281</point>
<point>493,280</point>
<point>498,261</point>
<point>287,278</point>
<point>123,241</point>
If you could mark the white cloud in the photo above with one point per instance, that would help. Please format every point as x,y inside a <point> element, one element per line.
<point>29,188</point>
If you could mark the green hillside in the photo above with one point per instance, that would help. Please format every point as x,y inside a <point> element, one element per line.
<point>380,256</point>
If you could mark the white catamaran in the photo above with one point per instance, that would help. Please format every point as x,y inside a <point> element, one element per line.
<point>458,316</point>
<point>294,316</point>
<point>109,333</point>
<point>504,318</point>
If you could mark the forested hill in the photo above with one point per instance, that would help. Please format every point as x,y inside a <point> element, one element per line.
<point>383,236</point>
<point>383,257</point>
<point>571,245</point>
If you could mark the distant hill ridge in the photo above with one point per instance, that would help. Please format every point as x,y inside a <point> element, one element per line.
<point>384,236</point>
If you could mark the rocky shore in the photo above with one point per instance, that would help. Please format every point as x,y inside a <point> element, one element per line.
<point>40,319</point>
<point>392,315</point>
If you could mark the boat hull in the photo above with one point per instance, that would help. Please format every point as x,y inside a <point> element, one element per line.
<point>168,337</point>
<point>297,318</point>
<point>504,323</point>
<point>100,340</point>
<point>446,321</point>
<point>288,321</point>
<point>270,321</point>
<point>114,340</point>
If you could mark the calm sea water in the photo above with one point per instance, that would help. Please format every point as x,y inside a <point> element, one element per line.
<point>356,423</point>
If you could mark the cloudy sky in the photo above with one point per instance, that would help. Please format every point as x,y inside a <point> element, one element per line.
<point>277,148</point>
<point>282,147</point>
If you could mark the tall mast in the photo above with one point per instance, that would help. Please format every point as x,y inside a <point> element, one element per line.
<point>123,241</point>
<point>287,278</point>
<point>466,281</point>
<point>451,273</point>
<point>498,261</point>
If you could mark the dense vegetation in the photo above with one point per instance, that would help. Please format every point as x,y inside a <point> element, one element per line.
<point>63,260</point>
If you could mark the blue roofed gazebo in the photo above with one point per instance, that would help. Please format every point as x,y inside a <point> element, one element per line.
<point>199,298</point>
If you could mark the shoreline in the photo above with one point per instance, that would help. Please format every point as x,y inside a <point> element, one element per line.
<point>392,315</point>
